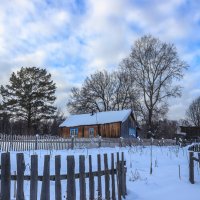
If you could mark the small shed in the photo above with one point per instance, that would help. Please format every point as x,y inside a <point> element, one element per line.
<point>111,124</point>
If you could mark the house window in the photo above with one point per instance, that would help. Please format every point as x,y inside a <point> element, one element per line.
<point>91,132</point>
<point>73,131</point>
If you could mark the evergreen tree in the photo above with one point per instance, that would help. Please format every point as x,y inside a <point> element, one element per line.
<point>29,96</point>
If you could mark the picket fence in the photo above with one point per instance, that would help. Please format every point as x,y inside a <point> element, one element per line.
<point>27,143</point>
<point>114,178</point>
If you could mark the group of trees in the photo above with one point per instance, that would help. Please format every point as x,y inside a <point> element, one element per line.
<point>103,91</point>
<point>144,81</point>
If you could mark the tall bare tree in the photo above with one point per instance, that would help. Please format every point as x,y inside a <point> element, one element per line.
<point>154,65</point>
<point>193,112</point>
<point>103,91</point>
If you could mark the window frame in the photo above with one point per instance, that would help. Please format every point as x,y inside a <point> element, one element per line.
<point>73,132</point>
<point>91,132</point>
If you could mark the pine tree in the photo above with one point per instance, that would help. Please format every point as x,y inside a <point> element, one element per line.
<point>29,96</point>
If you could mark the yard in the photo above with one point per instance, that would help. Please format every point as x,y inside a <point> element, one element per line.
<point>169,179</point>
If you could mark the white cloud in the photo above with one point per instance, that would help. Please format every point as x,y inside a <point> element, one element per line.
<point>73,44</point>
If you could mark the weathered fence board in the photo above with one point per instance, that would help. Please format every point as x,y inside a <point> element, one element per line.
<point>5,176</point>
<point>113,176</point>
<point>45,193</point>
<point>91,179</point>
<point>20,176</point>
<point>99,177</point>
<point>71,184</point>
<point>58,195</point>
<point>34,177</point>
<point>82,177</point>
<point>107,178</point>
<point>194,148</point>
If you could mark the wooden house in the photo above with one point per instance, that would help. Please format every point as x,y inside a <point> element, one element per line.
<point>111,124</point>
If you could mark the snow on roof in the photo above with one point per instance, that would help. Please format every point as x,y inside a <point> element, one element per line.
<point>96,118</point>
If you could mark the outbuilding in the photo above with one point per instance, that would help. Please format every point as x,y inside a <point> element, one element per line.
<point>189,132</point>
<point>111,124</point>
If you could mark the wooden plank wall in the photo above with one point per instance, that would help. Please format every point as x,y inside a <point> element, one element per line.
<point>110,130</point>
<point>105,130</point>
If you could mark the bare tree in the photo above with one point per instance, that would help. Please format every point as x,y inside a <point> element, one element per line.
<point>193,112</point>
<point>103,91</point>
<point>154,65</point>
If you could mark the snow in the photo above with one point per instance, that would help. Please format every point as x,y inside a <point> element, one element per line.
<point>164,183</point>
<point>96,118</point>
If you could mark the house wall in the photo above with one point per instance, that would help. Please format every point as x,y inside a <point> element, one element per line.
<point>110,130</point>
<point>64,132</point>
<point>126,125</point>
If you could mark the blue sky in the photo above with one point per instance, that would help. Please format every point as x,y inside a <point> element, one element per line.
<point>74,38</point>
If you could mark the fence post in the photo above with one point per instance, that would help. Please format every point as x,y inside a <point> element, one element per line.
<point>5,176</point>
<point>72,142</point>
<point>36,142</point>
<point>82,177</point>
<point>20,176</point>
<point>57,178</point>
<point>99,177</point>
<point>107,178</point>
<point>113,176</point>
<point>123,176</point>
<point>199,157</point>
<point>99,141</point>
<point>119,180</point>
<point>34,177</point>
<point>15,186</point>
<point>191,168</point>
<point>71,185</point>
<point>45,193</point>
<point>91,179</point>
<point>117,157</point>
<point>121,141</point>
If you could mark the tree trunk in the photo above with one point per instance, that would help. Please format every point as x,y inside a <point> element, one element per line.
<point>150,120</point>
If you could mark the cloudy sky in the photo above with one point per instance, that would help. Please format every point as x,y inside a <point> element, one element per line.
<point>73,38</point>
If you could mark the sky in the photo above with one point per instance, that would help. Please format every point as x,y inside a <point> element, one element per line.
<point>74,38</point>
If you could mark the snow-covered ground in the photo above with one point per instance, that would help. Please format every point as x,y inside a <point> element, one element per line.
<point>164,183</point>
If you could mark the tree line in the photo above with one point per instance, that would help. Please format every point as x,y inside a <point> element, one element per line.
<point>143,81</point>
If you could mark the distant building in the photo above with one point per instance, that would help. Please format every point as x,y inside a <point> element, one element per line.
<point>189,132</point>
<point>111,124</point>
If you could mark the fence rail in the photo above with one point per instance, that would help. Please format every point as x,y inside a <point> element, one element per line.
<point>114,178</point>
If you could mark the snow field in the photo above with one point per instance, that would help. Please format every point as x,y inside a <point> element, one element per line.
<point>164,183</point>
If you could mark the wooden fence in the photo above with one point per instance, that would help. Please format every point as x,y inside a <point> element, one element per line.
<point>27,143</point>
<point>114,178</point>
<point>192,158</point>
